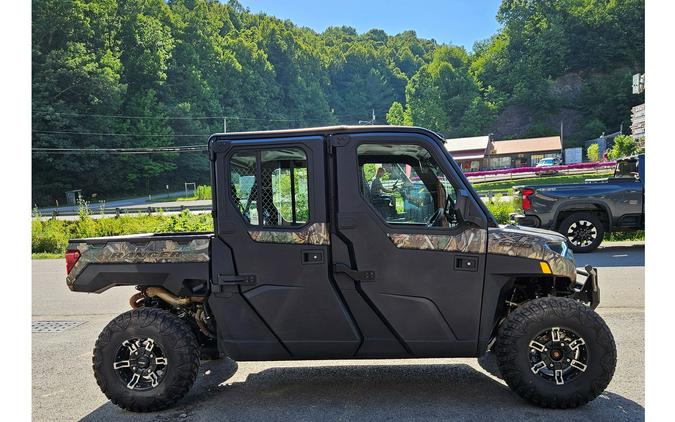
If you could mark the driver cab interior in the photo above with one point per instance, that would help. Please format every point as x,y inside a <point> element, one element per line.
<point>406,186</point>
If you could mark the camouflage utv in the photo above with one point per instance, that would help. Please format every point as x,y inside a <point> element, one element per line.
<point>344,243</point>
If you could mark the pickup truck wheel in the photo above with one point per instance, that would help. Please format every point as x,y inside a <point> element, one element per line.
<point>584,231</point>
<point>556,352</point>
<point>146,359</point>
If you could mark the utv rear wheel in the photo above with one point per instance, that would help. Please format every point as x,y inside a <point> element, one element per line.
<point>584,231</point>
<point>556,352</point>
<point>146,360</point>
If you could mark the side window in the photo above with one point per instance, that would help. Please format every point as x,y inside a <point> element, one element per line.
<point>270,187</point>
<point>243,185</point>
<point>406,186</point>
<point>284,187</point>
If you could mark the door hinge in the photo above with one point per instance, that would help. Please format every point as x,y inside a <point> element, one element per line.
<point>353,274</point>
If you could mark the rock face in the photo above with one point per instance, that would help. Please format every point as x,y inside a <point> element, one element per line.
<point>566,87</point>
<point>520,121</point>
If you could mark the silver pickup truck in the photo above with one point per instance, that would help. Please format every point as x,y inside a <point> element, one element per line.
<point>584,212</point>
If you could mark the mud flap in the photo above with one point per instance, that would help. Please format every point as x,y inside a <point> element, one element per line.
<point>587,290</point>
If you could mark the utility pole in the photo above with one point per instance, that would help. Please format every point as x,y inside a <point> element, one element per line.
<point>224,124</point>
<point>368,122</point>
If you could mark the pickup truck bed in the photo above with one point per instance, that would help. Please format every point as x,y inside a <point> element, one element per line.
<point>178,262</point>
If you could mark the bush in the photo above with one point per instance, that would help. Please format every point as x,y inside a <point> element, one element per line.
<point>51,236</point>
<point>203,192</point>
<point>501,209</point>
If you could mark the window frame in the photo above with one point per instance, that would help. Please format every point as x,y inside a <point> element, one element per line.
<point>410,228</point>
<point>258,149</point>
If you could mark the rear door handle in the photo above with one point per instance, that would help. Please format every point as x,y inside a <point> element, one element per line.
<point>466,263</point>
<point>312,257</point>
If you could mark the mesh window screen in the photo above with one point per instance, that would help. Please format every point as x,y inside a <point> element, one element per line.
<point>279,195</point>
<point>284,192</point>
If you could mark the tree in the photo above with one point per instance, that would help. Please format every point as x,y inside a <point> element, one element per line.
<point>593,152</point>
<point>624,146</point>
<point>178,67</point>
<point>396,115</point>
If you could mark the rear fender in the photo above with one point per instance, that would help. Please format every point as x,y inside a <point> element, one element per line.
<point>581,205</point>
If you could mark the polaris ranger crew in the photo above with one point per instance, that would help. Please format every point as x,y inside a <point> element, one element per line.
<point>344,243</point>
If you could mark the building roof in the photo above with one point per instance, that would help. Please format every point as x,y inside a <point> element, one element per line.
<point>519,146</point>
<point>473,143</point>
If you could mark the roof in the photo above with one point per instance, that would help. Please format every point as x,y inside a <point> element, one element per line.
<point>467,144</point>
<point>518,146</point>
<point>218,138</point>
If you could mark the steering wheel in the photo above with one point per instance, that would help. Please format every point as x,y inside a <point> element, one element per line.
<point>434,218</point>
<point>450,209</point>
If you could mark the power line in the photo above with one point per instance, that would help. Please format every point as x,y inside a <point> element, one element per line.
<point>117,151</point>
<point>60,132</point>
<point>120,116</point>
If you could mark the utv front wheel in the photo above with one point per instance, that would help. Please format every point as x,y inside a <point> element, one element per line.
<point>146,359</point>
<point>556,352</point>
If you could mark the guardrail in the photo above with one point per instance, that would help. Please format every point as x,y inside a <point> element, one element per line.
<point>132,210</point>
<point>541,169</point>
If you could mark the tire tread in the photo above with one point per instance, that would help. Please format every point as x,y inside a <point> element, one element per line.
<point>168,325</point>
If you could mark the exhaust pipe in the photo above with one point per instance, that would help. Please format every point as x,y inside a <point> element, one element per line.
<point>167,297</point>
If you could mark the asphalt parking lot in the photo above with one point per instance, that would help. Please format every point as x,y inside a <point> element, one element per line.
<point>426,389</point>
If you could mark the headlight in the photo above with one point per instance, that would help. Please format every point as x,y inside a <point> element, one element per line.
<point>561,249</point>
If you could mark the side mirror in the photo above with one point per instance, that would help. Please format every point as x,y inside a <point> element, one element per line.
<point>465,209</point>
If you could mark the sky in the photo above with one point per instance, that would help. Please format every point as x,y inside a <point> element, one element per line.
<point>460,22</point>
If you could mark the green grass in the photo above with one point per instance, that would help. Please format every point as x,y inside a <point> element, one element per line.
<point>506,186</point>
<point>625,236</point>
<point>46,255</point>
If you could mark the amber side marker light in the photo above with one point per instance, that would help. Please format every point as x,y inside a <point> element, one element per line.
<point>71,259</point>
<point>545,268</point>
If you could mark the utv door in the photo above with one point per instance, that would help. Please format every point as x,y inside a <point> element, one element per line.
<point>412,257</point>
<point>272,226</point>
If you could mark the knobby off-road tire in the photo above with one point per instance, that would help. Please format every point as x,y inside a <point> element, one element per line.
<point>515,352</point>
<point>173,347</point>
<point>592,227</point>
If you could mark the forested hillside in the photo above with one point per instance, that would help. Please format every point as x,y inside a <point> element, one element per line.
<point>152,73</point>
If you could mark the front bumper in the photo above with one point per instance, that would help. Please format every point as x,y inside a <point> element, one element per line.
<point>524,220</point>
<point>587,289</point>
